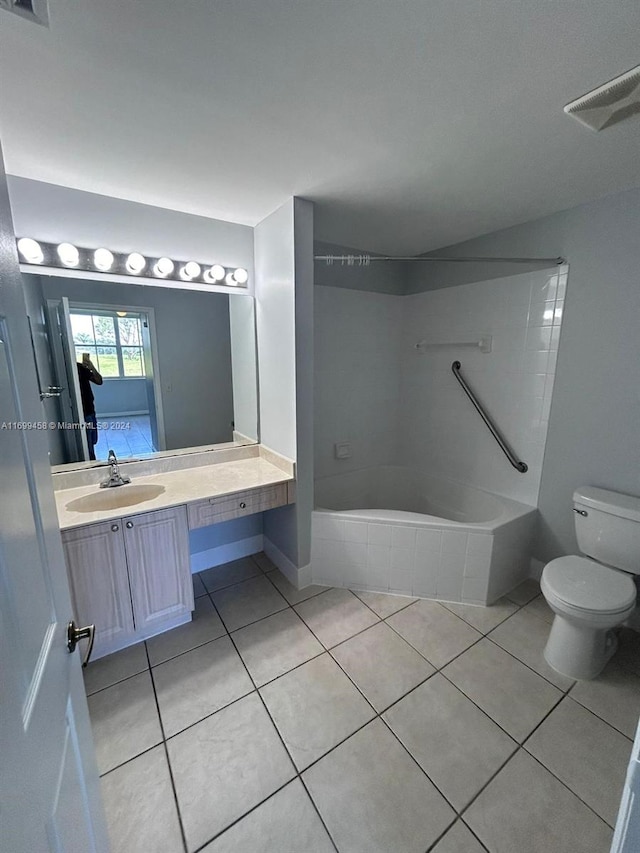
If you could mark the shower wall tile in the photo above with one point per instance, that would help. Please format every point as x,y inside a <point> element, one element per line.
<point>442,431</point>
<point>450,577</point>
<point>403,538</point>
<point>355,531</point>
<point>379,534</point>
<point>441,564</point>
<point>454,545</point>
<point>474,590</point>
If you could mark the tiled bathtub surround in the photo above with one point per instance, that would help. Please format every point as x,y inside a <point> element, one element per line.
<point>441,432</point>
<point>430,537</point>
<point>402,409</point>
<point>398,406</point>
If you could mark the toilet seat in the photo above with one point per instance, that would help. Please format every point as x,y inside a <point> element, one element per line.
<point>583,586</point>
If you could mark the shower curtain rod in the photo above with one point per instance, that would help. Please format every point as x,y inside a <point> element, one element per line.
<point>365,260</point>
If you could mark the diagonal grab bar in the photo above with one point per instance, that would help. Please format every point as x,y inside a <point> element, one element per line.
<point>495,432</point>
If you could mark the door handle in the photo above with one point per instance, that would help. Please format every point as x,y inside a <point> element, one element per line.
<point>74,634</point>
<point>52,391</point>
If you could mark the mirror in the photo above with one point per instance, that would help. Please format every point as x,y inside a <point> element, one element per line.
<point>158,370</point>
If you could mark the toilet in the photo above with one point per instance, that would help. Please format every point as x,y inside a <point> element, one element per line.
<point>593,594</point>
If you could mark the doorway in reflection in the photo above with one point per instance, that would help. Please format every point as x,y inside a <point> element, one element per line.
<point>112,349</point>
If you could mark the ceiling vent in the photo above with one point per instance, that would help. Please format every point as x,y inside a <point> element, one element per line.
<point>32,10</point>
<point>612,103</point>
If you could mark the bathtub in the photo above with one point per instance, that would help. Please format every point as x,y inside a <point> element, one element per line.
<point>396,529</point>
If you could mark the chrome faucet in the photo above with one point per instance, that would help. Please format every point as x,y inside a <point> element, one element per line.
<point>114,478</point>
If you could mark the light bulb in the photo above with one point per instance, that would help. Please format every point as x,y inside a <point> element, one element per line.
<point>214,274</point>
<point>103,259</point>
<point>68,254</point>
<point>30,250</point>
<point>241,275</point>
<point>163,267</point>
<point>136,263</point>
<point>189,271</point>
<point>230,280</point>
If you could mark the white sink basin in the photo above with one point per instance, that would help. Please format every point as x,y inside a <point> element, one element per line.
<point>114,498</point>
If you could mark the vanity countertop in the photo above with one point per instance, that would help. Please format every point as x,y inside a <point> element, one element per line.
<point>180,487</point>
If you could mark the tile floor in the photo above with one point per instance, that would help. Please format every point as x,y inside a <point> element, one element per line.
<point>135,440</point>
<point>285,721</point>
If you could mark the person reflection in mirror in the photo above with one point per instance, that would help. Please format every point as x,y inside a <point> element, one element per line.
<point>86,375</point>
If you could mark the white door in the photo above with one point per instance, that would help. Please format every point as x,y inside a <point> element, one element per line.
<point>154,389</point>
<point>64,358</point>
<point>626,838</point>
<point>49,786</point>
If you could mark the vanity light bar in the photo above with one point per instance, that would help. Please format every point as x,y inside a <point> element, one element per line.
<point>102,260</point>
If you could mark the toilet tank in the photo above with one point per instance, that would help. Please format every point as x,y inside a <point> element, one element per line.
<point>608,527</point>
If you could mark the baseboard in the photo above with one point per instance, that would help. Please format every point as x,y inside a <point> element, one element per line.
<point>115,415</point>
<point>225,553</point>
<point>298,577</point>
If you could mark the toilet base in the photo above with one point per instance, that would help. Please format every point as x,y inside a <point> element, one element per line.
<point>579,651</point>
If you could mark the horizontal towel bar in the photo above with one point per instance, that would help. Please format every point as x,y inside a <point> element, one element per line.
<point>483,344</point>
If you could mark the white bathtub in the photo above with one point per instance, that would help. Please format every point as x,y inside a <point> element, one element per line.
<point>395,529</point>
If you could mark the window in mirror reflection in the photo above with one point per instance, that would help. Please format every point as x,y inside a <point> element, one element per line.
<point>109,346</point>
<point>113,340</point>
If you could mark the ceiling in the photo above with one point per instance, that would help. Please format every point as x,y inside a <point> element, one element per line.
<point>411,124</point>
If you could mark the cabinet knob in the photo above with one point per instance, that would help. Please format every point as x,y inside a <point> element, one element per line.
<point>243,505</point>
<point>129,525</point>
<point>115,528</point>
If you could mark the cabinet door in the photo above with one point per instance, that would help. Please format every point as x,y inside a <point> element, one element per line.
<point>97,569</point>
<point>157,546</point>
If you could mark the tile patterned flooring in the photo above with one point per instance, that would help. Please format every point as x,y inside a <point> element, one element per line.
<point>286,721</point>
<point>135,440</point>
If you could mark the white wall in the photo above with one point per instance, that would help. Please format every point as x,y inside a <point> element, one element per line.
<point>284,319</point>
<point>244,366</point>
<point>441,431</point>
<point>356,377</point>
<point>593,424</point>
<point>52,213</point>
<point>119,397</point>
<point>275,321</point>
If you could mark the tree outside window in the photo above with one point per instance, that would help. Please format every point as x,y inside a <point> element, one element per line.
<point>114,342</point>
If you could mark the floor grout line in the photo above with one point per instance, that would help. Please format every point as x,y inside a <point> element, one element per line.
<point>377,714</point>
<point>166,755</point>
<point>276,729</point>
<point>571,791</point>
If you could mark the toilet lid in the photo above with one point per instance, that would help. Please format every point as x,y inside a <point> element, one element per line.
<point>588,585</point>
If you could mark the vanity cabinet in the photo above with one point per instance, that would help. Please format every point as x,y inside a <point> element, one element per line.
<point>226,507</point>
<point>130,577</point>
<point>97,569</point>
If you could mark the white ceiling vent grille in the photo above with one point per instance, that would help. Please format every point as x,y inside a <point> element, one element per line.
<point>32,10</point>
<point>614,102</point>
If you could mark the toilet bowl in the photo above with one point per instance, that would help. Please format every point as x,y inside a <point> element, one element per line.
<point>591,595</point>
<point>588,600</point>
